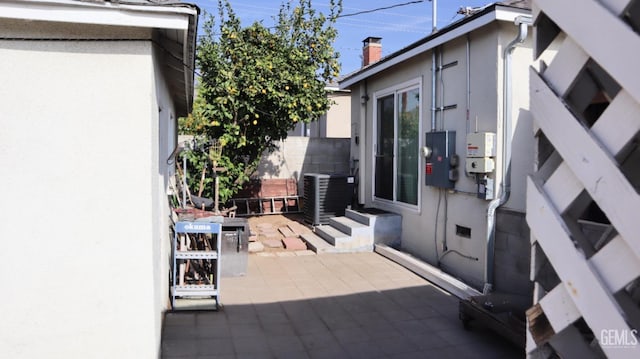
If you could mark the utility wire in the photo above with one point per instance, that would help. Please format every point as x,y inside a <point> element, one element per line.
<point>381,8</point>
<point>361,13</point>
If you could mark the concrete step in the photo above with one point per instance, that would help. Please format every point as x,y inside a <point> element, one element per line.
<point>321,246</point>
<point>350,226</point>
<point>386,226</point>
<point>362,218</point>
<point>333,236</point>
<point>342,242</point>
<point>317,244</point>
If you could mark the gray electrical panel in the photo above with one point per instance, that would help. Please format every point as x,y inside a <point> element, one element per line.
<point>439,156</point>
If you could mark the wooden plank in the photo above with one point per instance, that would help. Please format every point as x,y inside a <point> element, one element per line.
<point>595,167</point>
<point>565,67</point>
<point>538,325</point>
<point>563,187</point>
<point>549,166</point>
<point>585,288</point>
<point>619,123</point>
<point>617,50</point>
<point>430,273</point>
<point>559,308</point>
<point>614,129</point>
<point>616,6</point>
<point>616,264</point>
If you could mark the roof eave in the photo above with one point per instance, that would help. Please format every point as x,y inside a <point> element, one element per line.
<point>189,60</point>
<point>493,13</point>
<point>181,17</point>
<point>99,13</point>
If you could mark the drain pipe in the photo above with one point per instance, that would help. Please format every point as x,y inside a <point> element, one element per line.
<point>434,28</point>
<point>505,182</point>
<point>433,89</point>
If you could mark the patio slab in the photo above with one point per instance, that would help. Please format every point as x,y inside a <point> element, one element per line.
<point>358,305</point>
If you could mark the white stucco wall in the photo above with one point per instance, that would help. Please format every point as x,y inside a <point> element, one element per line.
<point>164,138</point>
<point>419,235</point>
<point>336,123</point>
<point>337,118</point>
<point>83,169</point>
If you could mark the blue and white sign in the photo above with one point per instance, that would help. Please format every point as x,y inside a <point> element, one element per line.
<point>198,227</point>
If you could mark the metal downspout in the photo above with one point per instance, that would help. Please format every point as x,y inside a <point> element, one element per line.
<point>433,89</point>
<point>505,183</point>
<point>363,143</point>
<point>434,28</point>
<point>468,73</point>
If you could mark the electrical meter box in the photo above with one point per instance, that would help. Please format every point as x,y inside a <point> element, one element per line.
<point>481,147</point>
<point>480,165</point>
<point>439,153</point>
<point>481,144</point>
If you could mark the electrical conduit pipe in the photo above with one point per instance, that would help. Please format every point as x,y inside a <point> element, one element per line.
<point>505,181</point>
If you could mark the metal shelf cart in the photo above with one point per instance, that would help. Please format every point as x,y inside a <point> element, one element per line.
<point>196,262</point>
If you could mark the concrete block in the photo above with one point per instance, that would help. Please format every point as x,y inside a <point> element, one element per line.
<point>351,227</point>
<point>255,247</point>
<point>337,238</point>
<point>298,228</point>
<point>523,266</point>
<point>294,244</point>
<point>272,243</point>
<point>287,232</point>
<point>285,254</point>
<point>510,222</point>
<point>519,245</point>
<point>305,253</point>
<point>268,232</point>
<point>505,261</point>
<point>502,241</point>
<point>266,254</point>
<point>317,244</point>
<point>516,284</point>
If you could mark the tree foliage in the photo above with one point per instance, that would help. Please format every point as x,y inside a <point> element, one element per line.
<point>258,82</point>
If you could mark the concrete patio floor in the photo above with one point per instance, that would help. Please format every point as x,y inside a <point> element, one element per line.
<point>329,306</point>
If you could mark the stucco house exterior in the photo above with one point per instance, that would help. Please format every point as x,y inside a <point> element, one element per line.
<point>321,146</point>
<point>90,94</point>
<point>442,135</point>
<point>336,123</point>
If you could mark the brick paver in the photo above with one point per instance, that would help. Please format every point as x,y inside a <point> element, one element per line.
<point>331,306</point>
<point>294,244</point>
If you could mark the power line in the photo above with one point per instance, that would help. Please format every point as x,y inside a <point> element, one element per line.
<point>381,8</point>
<point>388,27</point>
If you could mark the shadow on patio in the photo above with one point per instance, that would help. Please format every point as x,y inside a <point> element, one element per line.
<point>329,306</point>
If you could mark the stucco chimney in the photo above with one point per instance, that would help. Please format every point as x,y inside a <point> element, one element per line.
<point>371,50</point>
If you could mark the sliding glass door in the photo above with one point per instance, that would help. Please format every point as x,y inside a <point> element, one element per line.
<point>397,148</point>
<point>385,148</point>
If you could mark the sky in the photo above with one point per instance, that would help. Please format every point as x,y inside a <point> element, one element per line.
<point>398,26</point>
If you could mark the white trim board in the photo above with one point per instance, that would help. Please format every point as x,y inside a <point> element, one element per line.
<point>428,272</point>
<point>166,17</point>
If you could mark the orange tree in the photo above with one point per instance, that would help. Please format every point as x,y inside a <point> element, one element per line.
<point>257,82</point>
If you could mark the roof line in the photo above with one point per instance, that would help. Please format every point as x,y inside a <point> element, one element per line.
<point>489,14</point>
<point>107,13</point>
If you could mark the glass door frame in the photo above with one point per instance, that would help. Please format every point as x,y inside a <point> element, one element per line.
<point>396,91</point>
